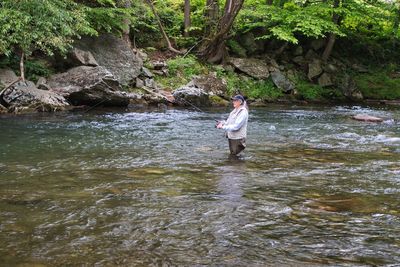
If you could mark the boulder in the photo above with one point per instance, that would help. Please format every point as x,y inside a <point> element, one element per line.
<point>89,86</point>
<point>191,97</point>
<point>330,68</point>
<point>7,76</point>
<point>139,83</point>
<point>325,80</point>
<point>26,95</point>
<point>211,84</point>
<point>253,67</point>
<point>299,60</point>
<point>158,65</point>
<point>147,73</point>
<point>367,118</point>
<point>317,44</point>
<point>115,55</point>
<point>248,42</point>
<point>314,69</point>
<point>3,109</point>
<point>280,80</point>
<point>310,55</point>
<point>81,57</point>
<point>348,86</point>
<point>298,51</point>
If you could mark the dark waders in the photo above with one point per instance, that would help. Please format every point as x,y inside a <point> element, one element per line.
<point>236,146</point>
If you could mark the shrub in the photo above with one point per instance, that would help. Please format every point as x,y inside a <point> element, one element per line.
<point>181,70</point>
<point>34,68</point>
<point>308,91</point>
<point>378,85</point>
<point>252,88</point>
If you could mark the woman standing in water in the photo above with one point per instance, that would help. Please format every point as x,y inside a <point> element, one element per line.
<point>236,125</point>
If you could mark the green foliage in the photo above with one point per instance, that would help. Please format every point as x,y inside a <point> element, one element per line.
<point>34,68</point>
<point>308,91</point>
<point>313,92</point>
<point>181,70</point>
<point>378,85</point>
<point>40,25</point>
<point>252,88</point>
<point>236,48</point>
<point>106,19</point>
<point>285,23</point>
<point>187,66</point>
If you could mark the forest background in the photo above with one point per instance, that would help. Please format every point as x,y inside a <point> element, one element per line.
<point>198,36</point>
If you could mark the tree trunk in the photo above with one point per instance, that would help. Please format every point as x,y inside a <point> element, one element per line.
<point>396,21</point>
<point>329,47</point>
<point>213,49</point>
<point>164,34</point>
<point>269,2</point>
<point>21,66</point>
<point>211,16</point>
<point>127,22</point>
<point>187,22</point>
<point>332,37</point>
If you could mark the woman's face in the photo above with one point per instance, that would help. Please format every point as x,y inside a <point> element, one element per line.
<point>236,103</point>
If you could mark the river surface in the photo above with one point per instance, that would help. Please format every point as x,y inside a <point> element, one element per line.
<point>157,188</point>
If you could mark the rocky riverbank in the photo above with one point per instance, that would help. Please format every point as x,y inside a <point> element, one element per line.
<point>107,71</point>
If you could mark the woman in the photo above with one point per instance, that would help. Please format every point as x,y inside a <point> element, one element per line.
<point>236,125</point>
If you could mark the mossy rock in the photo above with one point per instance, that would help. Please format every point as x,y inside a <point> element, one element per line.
<point>218,101</point>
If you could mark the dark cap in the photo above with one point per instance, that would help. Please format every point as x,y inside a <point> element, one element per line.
<point>238,97</point>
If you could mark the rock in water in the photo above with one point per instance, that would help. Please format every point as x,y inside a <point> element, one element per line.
<point>367,118</point>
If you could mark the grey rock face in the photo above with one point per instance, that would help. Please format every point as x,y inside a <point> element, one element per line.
<point>7,76</point>
<point>191,97</point>
<point>281,81</point>
<point>314,69</point>
<point>89,86</point>
<point>253,67</point>
<point>211,84</point>
<point>82,57</point>
<point>115,55</point>
<point>27,95</point>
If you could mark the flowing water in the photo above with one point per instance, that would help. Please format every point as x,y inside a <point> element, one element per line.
<point>157,188</point>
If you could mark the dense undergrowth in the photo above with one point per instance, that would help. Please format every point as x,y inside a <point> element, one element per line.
<point>376,84</point>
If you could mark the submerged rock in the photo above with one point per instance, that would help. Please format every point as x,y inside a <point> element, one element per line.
<point>367,118</point>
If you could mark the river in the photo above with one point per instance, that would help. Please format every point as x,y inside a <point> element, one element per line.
<point>157,188</point>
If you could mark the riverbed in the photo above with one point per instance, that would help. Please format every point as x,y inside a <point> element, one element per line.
<point>157,187</point>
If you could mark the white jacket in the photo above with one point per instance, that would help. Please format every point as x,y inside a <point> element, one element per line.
<point>236,124</point>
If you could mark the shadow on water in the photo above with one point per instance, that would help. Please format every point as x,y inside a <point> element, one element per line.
<point>313,188</point>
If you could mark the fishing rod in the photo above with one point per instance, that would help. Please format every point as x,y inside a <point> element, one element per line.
<point>198,109</point>
<point>190,104</point>
<point>97,104</point>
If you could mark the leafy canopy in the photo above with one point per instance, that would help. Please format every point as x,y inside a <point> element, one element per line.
<point>46,25</point>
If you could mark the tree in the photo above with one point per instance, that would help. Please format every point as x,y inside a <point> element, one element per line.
<point>332,36</point>
<point>164,34</point>
<point>213,49</point>
<point>187,22</point>
<point>126,21</point>
<point>45,25</point>
<point>211,16</point>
